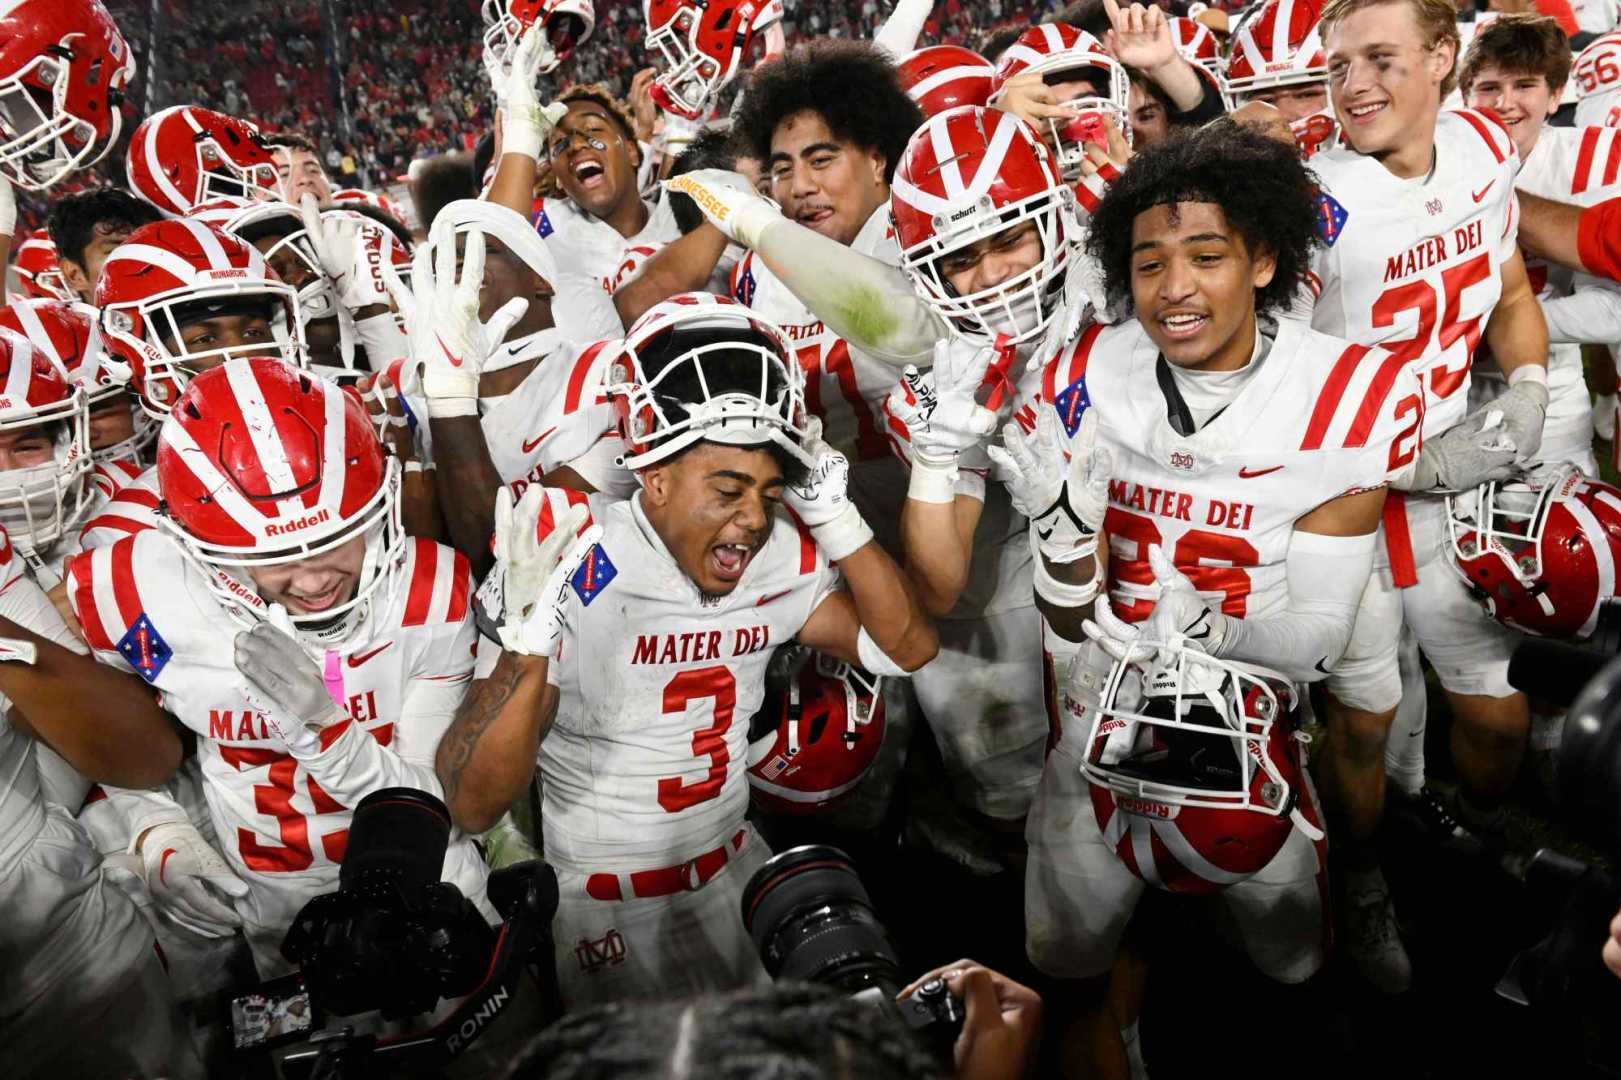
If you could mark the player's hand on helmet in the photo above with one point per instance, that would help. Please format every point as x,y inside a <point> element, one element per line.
<point>350,250</point>
<point>526,123</point>
<point>1180,615</point>
<point>537,549</point>
<point>449,342</point>
<point>188,880</point>
<point>1524,406</point>
<point>1001,1029</point>
<point>1100,167</point>
<point>643,109</point>
<point>286,684</point>
<point>729,203</point>
<point>822,498</point>
<point>1028,97</point>
<point>1064,500</point>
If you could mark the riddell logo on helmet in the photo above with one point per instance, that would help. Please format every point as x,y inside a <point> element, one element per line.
<point>1144,808</point>
<point>1279,65</point>
<point>282,529</point>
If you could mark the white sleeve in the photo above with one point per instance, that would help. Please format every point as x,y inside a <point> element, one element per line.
<point>383,340</point>
<point>898,36</point>
<point>1590,314</point>
<point>1326,576</point>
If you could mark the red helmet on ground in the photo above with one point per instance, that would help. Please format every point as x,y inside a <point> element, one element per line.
<point>942,77</point>
<point>169,274</point>
<point>568,23</point>
<point>702,366</point>
<point>1277,46</point>
<point>1060,53</point>
<point>187,155</point>
<point>1541,553</point>
<point>44,417</point>
<point>262,464</point>
<point>69,335</point>
<point>702,47</point>
<point>1195,768</point>
<point>817,734</point>
<point>63,69</point>
<point>38,269</point>
<point>968,174</point>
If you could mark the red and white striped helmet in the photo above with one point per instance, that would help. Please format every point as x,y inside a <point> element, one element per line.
<point>166,274</point>
<point>1278,46</point>
<point>262,464</point>
<point>967,175</point>
<point>1197,44</point>
<point>375,199</point>
<point>38,270</point>
<point>1195,767</point>
<point>703,367</point>
<point>817,734</point>
<point>43,413</point>
<point>1540,554</point>
<point>63,69</point>
<point>942,77</point>
<point>276,230</point>
<point>1054,48</point>
<point>568,24</point>
<point>187,155</point>
<point>69,335</point>
<point>702,46</point>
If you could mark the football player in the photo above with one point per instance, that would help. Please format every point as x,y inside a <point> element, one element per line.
<point>87,226</point>
<point>186,155</point>
<point>1418,220</point>
<point>636,650</point>
<point>299,171</point>
<point>1277,58</point>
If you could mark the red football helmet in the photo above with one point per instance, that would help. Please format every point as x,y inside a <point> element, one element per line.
<point>1277,46</point>
<point>1196,769</point>
<point>701,366</point>
<point>169,274</point>
<point>187,155</point>
<point>942,77</point>
<point>276,230</point>
<point>817,734</point>
<point>1061,53</point>
<point>568,24</point>
<point>703,46</point>
<point>63,69</point>
<point>69,335</point>
<point>375,199</point>
<point>1196,44</point>
<point>38,270</point>
<point>262,464</point>
<point>44,416</point>
<point>1540,553</point>
<point>969,174</point>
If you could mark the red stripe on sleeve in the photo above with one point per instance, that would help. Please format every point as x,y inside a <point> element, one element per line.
<point>1479,125</point>
<point>83,596</point>
<point>125,594</point>
<point>1328,402</point>
<point>461,579</point>
<point>807,547</point>
<point>1373,402</point>
<point>1598,239</point>
<point>576,379</point>
<point>423,568</point>
<point>1584,160</point>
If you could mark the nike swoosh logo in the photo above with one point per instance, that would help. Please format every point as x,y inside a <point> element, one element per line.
<point>1323,669</point>
<point>360,658</point>
<point>163,862</point>
<point>455,362</point>
<point>529,445</point>
<point>1250,474</point>
<point>1481,194</point>
<point>764,600</point>
<point>1047,532</point>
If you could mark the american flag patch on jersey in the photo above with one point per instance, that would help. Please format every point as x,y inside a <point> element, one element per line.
<point>1331,217</point>
<point>743,287</point>
<point>1072,404</point>
<point>593,574</point>
<point>144,648</point>
<point>543,225</point>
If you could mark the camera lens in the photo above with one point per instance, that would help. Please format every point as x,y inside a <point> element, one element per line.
<point>812,920</point>
<point>397,842</point>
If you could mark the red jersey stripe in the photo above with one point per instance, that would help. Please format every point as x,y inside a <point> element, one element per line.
<point>83,595</point>
<point>461,579</point>
<point>125,594</point>
<point>576,379</point>
<point>1373,402</point>
<point>423,569</point>
<point>1328,403</point>
<point>1475,121</point>
<point>1584,160</point>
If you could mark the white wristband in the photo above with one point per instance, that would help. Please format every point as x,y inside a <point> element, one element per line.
<point>1528,373</point>
<point>1061,593</point>
<point>843,536</point>
<point>932,481</point>
<point>875,659</point>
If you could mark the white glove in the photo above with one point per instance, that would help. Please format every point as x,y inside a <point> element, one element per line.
<point>1065,503</point>
<point>1180,615</point>
<point>8,209</point>
<point>823,500</point>
<point>937,417</point>
<point>448,343</point>
<point>535,555</point>
<point>351,253</point>
<point>729,202</point>
<point>286,684</point>
<point>189,882</point>
<point>1524,406</point>
<point>526,122</point>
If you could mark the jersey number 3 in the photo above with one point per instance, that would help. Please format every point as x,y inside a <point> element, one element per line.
<point>718,684</point>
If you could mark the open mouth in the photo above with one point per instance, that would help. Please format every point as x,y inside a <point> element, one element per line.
<point>590,174</point>
<point>321,601</point>
<point>1361,114</point>
<point>1183,325</point>
<point>812,216</point>
<point>728,561</point>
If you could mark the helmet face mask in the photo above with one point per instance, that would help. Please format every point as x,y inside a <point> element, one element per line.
<point>186,156</point>
<point>701,47</point>
<point>568,23</point>
<point>819,731</point>
<point>39,504</point>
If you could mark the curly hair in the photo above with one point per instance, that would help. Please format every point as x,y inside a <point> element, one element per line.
<point>850,84</point>
<point>1266,194</point>
<point>783,1032</point>
<point>617,111</point>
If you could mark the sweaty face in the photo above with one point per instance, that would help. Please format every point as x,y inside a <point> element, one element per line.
<point>1385,83</point>
<point>1522,99</point>
<point>311,586</point>
<point>1193,282</point>
<point>111,422</point>
<point>1295,102</point>
<point>713,507</point>
<point>593,159</point>
<point>299,171</point>
<point>822,182</point>
<point>26,448</point>
<point>1149,121</point>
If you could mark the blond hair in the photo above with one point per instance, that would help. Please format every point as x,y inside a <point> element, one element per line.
<point>1437,20</point>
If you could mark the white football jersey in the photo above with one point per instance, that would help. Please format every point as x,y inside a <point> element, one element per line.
<point>590,247</point>
<point>146,609</point>
<point>1416,265</point>
<point>132,508</point>
<point>843,386</point>
<point>1320,419</point>
<point>1598,82</point>
<point>644,766</point>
